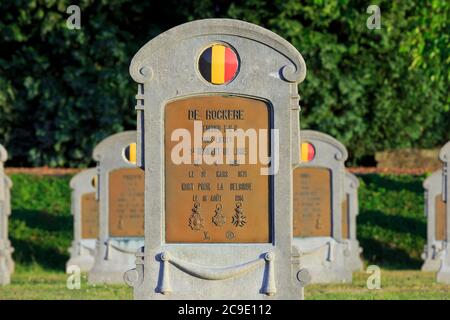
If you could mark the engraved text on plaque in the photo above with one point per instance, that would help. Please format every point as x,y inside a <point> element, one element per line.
<point>441,220</point>
<point>216,202</point>
<point>126,203</point>
<point>89,216</point>
<point>345,219</point>
<point>312,202</point>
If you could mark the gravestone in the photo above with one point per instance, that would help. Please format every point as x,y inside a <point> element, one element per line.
<point>350,211</point>
<point>443,230</point>
<point>217,229</point>
<point>121,207</point>
<point>435,213</point>
<point>321,232</point>
<point>85,217</point>
<point>6,250</point>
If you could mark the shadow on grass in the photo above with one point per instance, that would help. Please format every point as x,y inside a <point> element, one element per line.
<point>40,238</point>
<point>44,221</point>
<point>392,240</point>
<point>387,254</point>
<point>398,224</point>
<point>28,252</point>
<point>386,257</point>
<point>394,183</point>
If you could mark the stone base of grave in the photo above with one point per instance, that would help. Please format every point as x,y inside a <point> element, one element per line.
<point>432,257</point>
<point>5,275</point>
<point>170,278</point>
<point>431,265</point>
<point>113,259</point>
<point>146,293</point>
<point>324,259</point>
<point>85,263</point>
<point>329,274</point>
<point>105,275</point>
<point>353,261</point>
<point>443,275</point>
<point>9,260</point>
<point>108,272</point>
<point>82,254</point>
<point>11,265</point>
<point>7,265</point>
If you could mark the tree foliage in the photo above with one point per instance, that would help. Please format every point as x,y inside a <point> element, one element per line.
<point>62,90</point>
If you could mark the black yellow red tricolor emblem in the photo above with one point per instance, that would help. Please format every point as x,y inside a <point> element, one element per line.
<point>218,64</point>
<point>308,152</point>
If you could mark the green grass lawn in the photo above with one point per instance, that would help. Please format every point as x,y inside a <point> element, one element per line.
<point>391,226</point>
<point>35,283</point>
<point>391,230</point>
<point>398,284</point>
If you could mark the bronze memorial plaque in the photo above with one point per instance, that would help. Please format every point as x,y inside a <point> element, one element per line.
<point>441,220</point>
<point>312,202</point>
<point>89,216</point>
<point>126,202</point>
<point>216,201</point>
<point>345,215</point>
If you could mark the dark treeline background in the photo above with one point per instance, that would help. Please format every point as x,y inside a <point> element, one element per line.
<point>62,90</point>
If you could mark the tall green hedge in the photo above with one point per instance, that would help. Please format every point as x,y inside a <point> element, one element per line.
<point>62,91</point>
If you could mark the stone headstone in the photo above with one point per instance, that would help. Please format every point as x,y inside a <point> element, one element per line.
<point>6,250</point>
<point>85,217</point>
<point>121,208</point>
<point>443,216</point>
<point>435,213</point>
<point>324,234</point>
<point>350,211</point>
<point>216,227</point>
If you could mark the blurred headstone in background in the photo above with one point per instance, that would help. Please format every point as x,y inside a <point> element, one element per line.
<point>443,275</point>
<point>325,208</point>
<point>84,209</point>
<point>435,213</point>
<point>6,250</point>
<point>121,208</point>
<point>350,210</point>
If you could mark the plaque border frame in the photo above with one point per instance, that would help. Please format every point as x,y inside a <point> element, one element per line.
<point>271,190</point>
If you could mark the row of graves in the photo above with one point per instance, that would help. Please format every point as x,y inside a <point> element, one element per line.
<point>216,217</point>
<point>325,209</point>
<point>108,210</point>
<point>217,194</point>
<point>220,217</point>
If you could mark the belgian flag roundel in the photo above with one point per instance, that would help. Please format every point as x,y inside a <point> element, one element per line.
<point>130,153</point>
<point>308,152</point>
<point>218,64</point>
